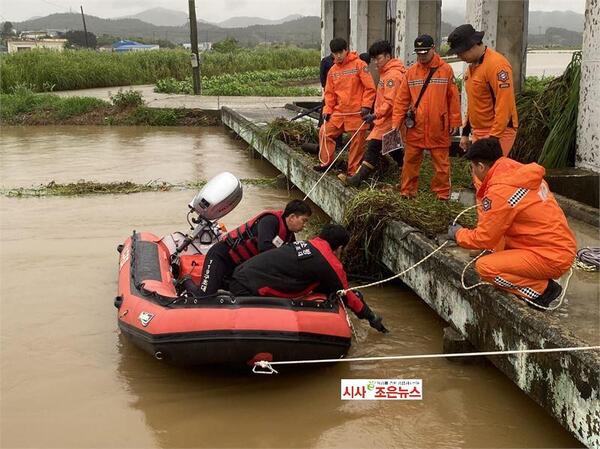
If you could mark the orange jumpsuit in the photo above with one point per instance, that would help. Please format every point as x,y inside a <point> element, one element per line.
<point>491,106</point>
<point>539,245</point>
<point>349,88</point>
<point>438,111</point>
<point>390,79</point>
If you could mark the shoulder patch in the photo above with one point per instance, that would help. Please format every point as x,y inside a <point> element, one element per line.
<point>504,85</point>
<point>503,75</point>
<point>486,204</point>
<point>390,83</point>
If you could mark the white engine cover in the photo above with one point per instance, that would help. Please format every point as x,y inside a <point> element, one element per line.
<point>218,197</point>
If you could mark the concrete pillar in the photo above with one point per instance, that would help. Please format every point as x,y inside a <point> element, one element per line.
<point>588,125</point>
<point>505,25</point>
<point>511,38</point>
<point>415,17</point>
<point>359,20</point>
<point>335,22</point>
<point>377,15</point>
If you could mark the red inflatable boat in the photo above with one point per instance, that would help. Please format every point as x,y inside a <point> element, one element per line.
<point>222,329</point>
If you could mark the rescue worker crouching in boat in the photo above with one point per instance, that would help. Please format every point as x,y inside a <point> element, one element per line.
<point>391,74</point>
<point>302,267</point>
<point>517,204</point>
<point>268,230</point>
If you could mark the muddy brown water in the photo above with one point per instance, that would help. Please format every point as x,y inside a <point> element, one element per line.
<point>68,379</point>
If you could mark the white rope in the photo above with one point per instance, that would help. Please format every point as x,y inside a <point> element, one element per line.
<point>268,365</point>
<point>330,166</point>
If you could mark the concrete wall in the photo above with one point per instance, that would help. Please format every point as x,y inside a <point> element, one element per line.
<point>588,123</point>
<point>567,385</point>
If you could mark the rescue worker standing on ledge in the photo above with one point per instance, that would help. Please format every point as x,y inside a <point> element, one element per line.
<point>268,230</point>
<point>517,205</point>
<point>300,268</point>
<point>349,96</point>
<point>429,106</point>
<point>491,106</point>
<point>391,74</point>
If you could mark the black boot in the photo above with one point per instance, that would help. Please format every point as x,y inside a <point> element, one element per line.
<point>363,173</point>
<point>552,292</point>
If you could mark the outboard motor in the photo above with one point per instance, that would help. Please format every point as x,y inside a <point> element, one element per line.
<point>217,198</point>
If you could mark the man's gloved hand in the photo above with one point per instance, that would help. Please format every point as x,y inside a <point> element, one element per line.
<point>326,117</point>
<point>452,230</point>
<point>364,112</point>
<point>375,321</point>
<point>370,118</point>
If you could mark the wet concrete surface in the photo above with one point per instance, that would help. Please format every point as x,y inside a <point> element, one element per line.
<point>69,380</point>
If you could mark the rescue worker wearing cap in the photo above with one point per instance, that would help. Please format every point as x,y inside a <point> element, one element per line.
<point>391,74</point>
<point>517,204</point>
<point>295,270</point>
<point>491,106</point>
<point>349,95</point>
<point>267,230</point>
<point>429,105</point>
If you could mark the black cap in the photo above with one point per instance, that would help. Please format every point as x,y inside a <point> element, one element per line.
<point>464,38</point>
<point>423,44</point>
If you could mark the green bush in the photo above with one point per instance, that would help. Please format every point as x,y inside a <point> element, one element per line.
<point>127,99</point>
<point>156,117</point>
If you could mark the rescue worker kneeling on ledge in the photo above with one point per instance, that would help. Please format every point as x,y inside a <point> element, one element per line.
<point>300,268</point>
<point>517,205</point>
<point>268,230</point>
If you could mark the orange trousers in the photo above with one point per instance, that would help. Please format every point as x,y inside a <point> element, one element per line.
<point>507,140</point>
<point>521,271</point>
<point>327,135</point>
<point>413,157</point>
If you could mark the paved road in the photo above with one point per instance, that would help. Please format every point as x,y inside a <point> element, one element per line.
<point>156,100</point>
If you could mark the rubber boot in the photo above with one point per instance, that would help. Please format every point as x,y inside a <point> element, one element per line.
<point>552,292</point>
<point>363,173</point>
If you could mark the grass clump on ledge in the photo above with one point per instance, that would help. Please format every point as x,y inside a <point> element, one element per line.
<point>372,209</point>
<point>291,133</point>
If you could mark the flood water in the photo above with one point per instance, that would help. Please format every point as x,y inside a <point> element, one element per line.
<point>69,381</point>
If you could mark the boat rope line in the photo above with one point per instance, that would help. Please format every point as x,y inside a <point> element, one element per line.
<point>323,141</point>
<point>266,367</point>
<point>588,258</point>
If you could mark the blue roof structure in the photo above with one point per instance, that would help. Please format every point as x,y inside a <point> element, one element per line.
<point>125,45</point>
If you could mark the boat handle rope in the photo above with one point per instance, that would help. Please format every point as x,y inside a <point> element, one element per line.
<point>266,367</point>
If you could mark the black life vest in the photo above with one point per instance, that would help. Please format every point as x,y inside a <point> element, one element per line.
<point>242,242</point>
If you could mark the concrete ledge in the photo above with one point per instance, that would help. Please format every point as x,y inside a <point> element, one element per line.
<point>567,385</point>
<point>575,183</point>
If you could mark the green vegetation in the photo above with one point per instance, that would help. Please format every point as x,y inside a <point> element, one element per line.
<point>83,187</point>
<point>548,118</point>
<point>43,70</point>
<point>24,107</point>
<point>293,133</point>
<point>268,83</point>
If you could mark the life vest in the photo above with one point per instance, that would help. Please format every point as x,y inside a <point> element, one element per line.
<point>243,242</point>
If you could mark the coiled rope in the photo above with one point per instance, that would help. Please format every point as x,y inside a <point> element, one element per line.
<point>588,258</point>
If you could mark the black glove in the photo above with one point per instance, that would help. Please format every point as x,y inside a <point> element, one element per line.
<point>364,112</point>
<point>375,321</point>
<point>452,230</point>
<point>326,117</point>
<point>370,118</point>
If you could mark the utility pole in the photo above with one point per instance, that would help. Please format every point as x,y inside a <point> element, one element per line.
<point>194,43</point>
<point>87,45</point>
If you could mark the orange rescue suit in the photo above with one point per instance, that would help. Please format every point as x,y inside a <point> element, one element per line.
<point>491,102</point>
<point>390,79</point>
<point>349,88</point>
<point>517,204</point>
<point>437,112</point>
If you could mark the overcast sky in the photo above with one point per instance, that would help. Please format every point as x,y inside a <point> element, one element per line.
<point>213,10</point>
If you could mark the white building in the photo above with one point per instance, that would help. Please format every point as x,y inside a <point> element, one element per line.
<point>26,44</point>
